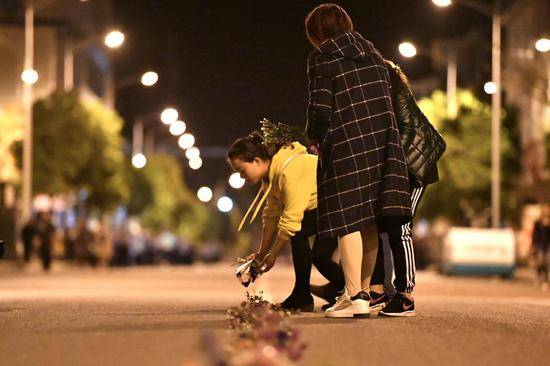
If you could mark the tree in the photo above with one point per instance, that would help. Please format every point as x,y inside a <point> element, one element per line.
<point>463,193</point>
<point>77,145</point>
<point>162,201</point>
<point>11,125</point>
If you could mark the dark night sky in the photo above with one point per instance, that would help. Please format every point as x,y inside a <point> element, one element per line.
<point>227,64</point>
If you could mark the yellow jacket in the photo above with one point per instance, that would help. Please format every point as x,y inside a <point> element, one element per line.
<point>290,191</point>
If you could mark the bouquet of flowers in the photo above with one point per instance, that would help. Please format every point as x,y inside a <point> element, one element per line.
<point>248,270</point>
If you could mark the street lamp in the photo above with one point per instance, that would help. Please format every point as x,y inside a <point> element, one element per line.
<point>114,39</point>
<point>490,88</point>
<point>139,160</point>
<point>195,163</point>
<point>495,13</point>
<point>225,204</point>
<point>409,50</point>
<point>192,153</point>
<point>236,181</point>
<point>149,78</point>
<point>186,141</point>
<point>177,128</point>
<point>204,194</point>
<point>29,76</point>
<point>543,45</point>
<point>169,116</point>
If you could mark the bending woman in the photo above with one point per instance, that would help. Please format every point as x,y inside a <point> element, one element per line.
<point>288,176</point>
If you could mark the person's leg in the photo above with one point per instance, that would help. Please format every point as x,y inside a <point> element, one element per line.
<point>369,238</point>
<point>300,298</point>
<point>323,250</point>
<point>301,259</point>
<point>351,256</point>
<point>353,302</point>
<point>401,243</point>
<point>379,274</point>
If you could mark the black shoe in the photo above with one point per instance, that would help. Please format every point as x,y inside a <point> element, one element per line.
<point>378,301</point>
<point>399,305</point>
<point>298,302</point>
<point>327,292</point>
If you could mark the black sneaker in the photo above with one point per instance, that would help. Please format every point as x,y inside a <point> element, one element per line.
<point>399,305</point>
<point>298,302</point>
<point>378,301</point>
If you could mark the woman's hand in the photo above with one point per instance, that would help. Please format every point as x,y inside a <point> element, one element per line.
<point>268,262</point>
<point>314,149</point>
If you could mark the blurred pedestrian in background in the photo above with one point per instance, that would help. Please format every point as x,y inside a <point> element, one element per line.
<point>540,247</point>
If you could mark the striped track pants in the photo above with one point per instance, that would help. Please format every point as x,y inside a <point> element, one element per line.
<point>401,244</point>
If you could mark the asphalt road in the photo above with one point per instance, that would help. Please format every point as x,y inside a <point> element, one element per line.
<point>156,316</point>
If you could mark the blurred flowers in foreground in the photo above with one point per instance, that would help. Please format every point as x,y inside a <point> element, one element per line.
<point>265,336</point>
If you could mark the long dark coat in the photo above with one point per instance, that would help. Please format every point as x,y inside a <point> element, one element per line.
<point>362,176</point>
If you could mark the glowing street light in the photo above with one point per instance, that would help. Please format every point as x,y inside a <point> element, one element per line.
<point>204,194</point>
<point>139,160</point>
<point>195,163</point>
<point>543,45</point>
<point>169,116</point>
<point>490,87</point>
<point>149,78</point>
<point>225,204</point>
<point>407,49</point>
<point>177,128</point>
<point>186,141</point>
<point>114,39</point>
<point>442,3</point>
<point>236,181</point>
<point>192,153</point>
<point>29,76</point>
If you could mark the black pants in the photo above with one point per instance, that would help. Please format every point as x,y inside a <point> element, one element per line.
<point>303,256</point>
<point>542,258</point>
<point>401,244</point>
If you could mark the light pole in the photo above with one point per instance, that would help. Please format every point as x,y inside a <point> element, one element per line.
<point>26,203</point>
<point>495,13</point>
<point>409,50</point>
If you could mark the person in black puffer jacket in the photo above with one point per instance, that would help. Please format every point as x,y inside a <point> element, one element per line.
<point>423,147</point>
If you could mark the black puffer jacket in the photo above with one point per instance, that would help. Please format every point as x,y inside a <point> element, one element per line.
<point>422,144</point>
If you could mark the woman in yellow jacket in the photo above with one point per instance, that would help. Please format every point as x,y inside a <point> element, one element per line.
<point>289,189</point>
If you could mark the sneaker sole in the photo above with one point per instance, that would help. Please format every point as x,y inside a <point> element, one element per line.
<point>378,306</point>
<point>403,314</point>
<point>340,314</point>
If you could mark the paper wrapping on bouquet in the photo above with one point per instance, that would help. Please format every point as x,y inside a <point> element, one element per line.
<point>248,271</point>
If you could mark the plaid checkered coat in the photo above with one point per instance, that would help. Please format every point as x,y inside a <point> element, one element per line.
<point>362,175</point>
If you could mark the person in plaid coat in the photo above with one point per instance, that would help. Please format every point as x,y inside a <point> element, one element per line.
<point>362,175</point>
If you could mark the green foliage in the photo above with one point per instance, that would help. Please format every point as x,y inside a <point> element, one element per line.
<point>162,201</point>
<point>464,190</point>
<point>77,145</point>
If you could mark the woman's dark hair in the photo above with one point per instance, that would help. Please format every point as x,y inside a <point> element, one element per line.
<point>249,147</point>
<point>264,144</point>
<point>327,21</point>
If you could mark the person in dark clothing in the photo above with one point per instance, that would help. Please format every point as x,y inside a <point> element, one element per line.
<point>28,234</point>
<point>541,247</point>
<point>45,231</point>
<point>2,248</point>
<point>362,175</point>
<point>423,147</point>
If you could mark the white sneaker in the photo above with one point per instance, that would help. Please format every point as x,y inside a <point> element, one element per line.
<point>346,307</point>
<point>343,308</point>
